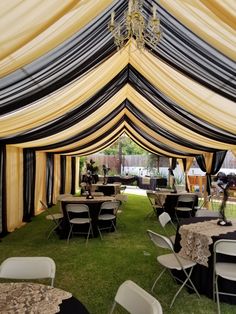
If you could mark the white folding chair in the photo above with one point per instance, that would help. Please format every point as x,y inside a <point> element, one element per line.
<point>136,300</point>
<point>185,203</point>
<point>78,214</point>
<point>223,269</point>
<point>107,215</point>
<point>55,218</point>
<point>164,219</point>
<point>156,207</point>
<point>172,261</point>
<point>36,267</point>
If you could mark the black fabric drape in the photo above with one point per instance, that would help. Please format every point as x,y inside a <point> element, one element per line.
<point>157,99</point>
<point>73,170</point>
<point>175,111</point>
<point>29,164</point>
<point>71,118</point>
<point>49,178</point>
<point>189,54</point>
<point>173,163</point>
<point>69,61</point>
<point>217,161</point>
<point>3,216</point>
<point>63,174</point>
<point>179,47</point>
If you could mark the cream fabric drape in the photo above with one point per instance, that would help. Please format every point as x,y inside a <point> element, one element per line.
<point>40,181</point>
<point>56,178</point>
<point>144,106</point>
<point>192,96</point>
<point>77,174</point>
<point>203,22</point>
<point>23,40</point>
<point>14,188</point>
<point>189,162</point>
<point>65,99</point>
<point>225,10</point>
<point>68,175</point>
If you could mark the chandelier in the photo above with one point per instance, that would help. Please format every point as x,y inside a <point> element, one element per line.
<point>133,24</point>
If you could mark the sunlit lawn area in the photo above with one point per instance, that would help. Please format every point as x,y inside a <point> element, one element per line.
<point>93,274</point>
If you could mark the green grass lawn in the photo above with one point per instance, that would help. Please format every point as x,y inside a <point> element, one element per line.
<point>93,274</point>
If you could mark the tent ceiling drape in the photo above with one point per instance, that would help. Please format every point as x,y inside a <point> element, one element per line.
<point>65,88</point>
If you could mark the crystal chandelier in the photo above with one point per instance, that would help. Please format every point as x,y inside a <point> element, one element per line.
<point>133,24</point>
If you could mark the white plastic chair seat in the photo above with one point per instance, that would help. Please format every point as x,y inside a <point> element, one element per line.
<point>169,261</point>
<point>54,216</point>
<point>226,270</point>
<point>106,217</point>
<point>80,220</point>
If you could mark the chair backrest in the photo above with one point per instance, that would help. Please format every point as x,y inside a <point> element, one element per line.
<point>225,246</point>
<point>164,218</point>
<point>77,208</point>
<point>160,240</point>
<point>136,300</point>
<point>189,199</point>
<point>50,215</point>
<point>152,198</point>
<point>110,205</point>
<point>37,267</point>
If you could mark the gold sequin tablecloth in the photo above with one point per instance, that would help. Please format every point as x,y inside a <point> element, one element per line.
<point>30,298</point>
<point>196,238</point>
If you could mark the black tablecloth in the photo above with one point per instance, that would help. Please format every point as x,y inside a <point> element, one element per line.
<point>202,276</point>
<point>106,189</point>
<point>72,306</point>
<point>126,180</point>
<point>94,209</point>
<point>154,183</point>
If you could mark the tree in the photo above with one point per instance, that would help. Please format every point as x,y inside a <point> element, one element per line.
<point>128,147</point>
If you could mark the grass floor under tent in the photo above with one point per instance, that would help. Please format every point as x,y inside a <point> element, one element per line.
<point>93,274</point>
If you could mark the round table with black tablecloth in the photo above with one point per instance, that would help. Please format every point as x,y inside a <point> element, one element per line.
<point>72,306</point>
<point>202,276</point>
<point>94,207</point>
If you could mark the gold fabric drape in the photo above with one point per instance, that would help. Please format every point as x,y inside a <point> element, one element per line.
<point>68,175</point>
<point>56,178</point>
<point>40,181</point>
<point>77,174</point>
<point>23,40</point>
<point>189,162</point>
<point>14,187</point>
<point>198,16</point>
